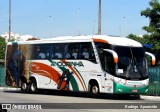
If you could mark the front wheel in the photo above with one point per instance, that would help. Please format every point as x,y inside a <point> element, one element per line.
<point>94,90</point>
<point>33,86</point>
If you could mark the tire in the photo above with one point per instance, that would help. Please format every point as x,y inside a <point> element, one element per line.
<point>94,90</point>
<point>33,86</point>
<point>24,87</point>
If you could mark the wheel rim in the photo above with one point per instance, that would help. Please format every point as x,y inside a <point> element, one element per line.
<point>33,87</point>
<point>24,86</point>
<point>94,89</point>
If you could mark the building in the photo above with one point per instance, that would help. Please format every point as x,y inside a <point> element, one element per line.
<point>16,37</point>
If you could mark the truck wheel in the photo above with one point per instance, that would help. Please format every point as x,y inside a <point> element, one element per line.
<point>33,86</point>
<point>94,90</point>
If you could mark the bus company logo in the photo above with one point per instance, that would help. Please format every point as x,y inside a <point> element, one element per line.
<point>64,64</point>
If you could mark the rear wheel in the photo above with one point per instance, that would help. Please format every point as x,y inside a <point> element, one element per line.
<point>33,86</point>
<point>24,87</point>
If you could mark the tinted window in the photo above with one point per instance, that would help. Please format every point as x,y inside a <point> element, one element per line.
<point>63,51</point>
<point>44,51</point>
<point>81,51</point>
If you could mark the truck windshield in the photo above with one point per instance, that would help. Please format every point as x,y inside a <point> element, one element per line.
<point>132,62</point>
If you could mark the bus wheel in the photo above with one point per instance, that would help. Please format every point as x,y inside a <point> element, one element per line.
<point>24,87</point>
<point>33,86</point>
<point>94,90</point>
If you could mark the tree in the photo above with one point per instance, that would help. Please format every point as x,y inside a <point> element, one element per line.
<point>153,13</point>
<point>2,48</point>
<point>143,40</point>
<point>153,37</point>
<point>134,37</point>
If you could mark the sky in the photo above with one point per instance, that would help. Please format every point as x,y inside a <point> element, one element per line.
<point>52,18</point>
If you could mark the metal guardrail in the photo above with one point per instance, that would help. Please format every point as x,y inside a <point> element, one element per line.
<point>154,81</point>
<point>2,76</point>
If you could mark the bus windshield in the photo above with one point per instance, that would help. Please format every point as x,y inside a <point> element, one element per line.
<point>132,63</point>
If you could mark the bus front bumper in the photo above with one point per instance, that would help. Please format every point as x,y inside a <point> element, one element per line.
<point>122,89</point>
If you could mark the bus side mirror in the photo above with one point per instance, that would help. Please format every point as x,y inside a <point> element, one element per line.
<point>115,55</point>
<point>152,56</point>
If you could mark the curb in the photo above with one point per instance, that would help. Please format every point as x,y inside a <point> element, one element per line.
<point>9,89</point>
<point>157,98</point>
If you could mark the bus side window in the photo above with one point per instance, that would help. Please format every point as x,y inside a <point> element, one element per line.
<point>67,53</point>
<point>58,51</point>
<point>41,54</point>
<point>87,52</point>
<point>75,53</point>
<point>73,50</point>
<point>44,51</point>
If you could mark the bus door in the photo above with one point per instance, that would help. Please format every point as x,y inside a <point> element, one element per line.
<point>108,62</point>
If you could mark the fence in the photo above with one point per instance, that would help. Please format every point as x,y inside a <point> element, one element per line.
<point>2,76</point>
<point>154,81</point>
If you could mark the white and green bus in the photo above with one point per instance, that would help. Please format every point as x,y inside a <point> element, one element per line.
<point>95,64</point>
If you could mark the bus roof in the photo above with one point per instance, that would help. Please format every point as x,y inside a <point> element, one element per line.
<point>114,40</point>
<point>122,41</point>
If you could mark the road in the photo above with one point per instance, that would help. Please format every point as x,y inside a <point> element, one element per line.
<point>65,101</point>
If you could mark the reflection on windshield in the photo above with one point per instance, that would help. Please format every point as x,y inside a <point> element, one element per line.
<point>132,63</point>
<point>123,62</point>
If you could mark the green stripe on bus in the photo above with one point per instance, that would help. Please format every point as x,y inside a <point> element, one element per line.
<point>81,78</point>
<point>72,80</point>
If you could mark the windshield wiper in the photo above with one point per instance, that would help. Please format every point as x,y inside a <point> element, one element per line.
<point>138,67</point>
<point>128,68</point>
<point>130,64</point>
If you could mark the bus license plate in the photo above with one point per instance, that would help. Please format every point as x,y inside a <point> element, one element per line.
<point>134,91</point>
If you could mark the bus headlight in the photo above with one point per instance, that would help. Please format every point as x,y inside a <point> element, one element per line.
<point>146,91</point>
<point>120,90</point>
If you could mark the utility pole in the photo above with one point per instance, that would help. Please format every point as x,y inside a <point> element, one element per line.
<point>9,21</point>
<point>99,18</point>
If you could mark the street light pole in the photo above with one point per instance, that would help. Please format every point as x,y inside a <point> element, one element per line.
<point>9,21</point>
<point>99,18</point>
<point>50,17</point>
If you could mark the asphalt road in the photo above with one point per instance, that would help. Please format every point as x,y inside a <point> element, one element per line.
<point>71,102</point>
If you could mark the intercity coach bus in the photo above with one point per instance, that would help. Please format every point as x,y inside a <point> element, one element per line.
<point>95,64</point>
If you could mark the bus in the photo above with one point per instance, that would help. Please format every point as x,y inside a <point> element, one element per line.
<point>94,64</point>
